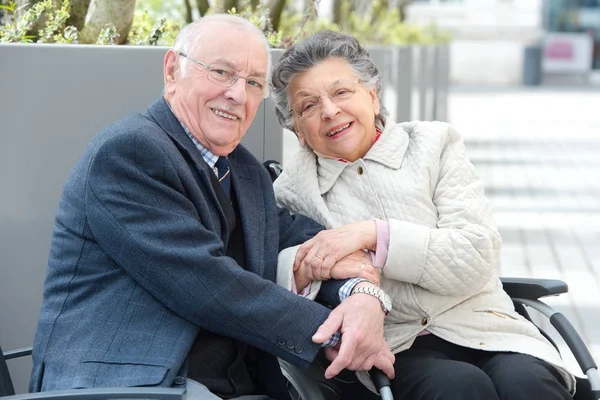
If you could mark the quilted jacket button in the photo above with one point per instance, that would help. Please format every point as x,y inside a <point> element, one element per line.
<point>179,380</point>
<point>360,170</point>
<point>424,321</point>
<point>281,341</point>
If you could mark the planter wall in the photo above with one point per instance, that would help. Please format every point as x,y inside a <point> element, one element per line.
<point>55,98</point>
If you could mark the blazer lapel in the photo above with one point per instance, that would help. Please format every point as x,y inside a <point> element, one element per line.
<point>164,117</point>
<point>250,197</point>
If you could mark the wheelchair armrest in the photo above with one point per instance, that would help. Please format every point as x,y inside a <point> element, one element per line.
<point>25,351</point>
<point>105,394</point>
<point>533,289</point>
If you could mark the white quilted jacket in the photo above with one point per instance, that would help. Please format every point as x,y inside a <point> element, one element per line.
<point>442,265</point>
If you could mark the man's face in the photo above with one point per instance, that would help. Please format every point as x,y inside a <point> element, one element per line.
<point>217,116</point>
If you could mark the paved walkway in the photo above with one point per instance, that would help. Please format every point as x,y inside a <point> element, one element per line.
<point>538,153</point>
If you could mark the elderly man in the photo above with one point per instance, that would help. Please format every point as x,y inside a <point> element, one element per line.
<point>165,247</point>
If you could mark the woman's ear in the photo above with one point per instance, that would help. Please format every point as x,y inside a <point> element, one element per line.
<point>375,100</point>
<point>299,135</point>
<point>301,140</point>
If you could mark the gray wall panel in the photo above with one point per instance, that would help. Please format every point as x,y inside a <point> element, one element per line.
<point>53,100</point>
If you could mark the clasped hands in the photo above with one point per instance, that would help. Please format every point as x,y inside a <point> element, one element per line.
<point>339,253</point>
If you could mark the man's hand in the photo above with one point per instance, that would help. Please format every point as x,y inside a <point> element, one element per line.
<point>360,320</point>
<point>328,247</point>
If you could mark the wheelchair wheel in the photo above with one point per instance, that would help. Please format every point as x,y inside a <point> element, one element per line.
<point>299,387</point>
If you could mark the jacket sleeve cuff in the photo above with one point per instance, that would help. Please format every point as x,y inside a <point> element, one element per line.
<point>285,274</point>
<point>407,252</point>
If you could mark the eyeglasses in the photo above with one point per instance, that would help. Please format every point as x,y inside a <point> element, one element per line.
<point>338,93</point>
<point>227,77</point>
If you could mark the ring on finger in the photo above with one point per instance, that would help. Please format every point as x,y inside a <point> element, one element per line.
<point>320,258</point>
<point>362,266</point>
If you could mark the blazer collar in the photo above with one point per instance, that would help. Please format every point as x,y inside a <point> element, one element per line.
<point>388,151</point>
<point>245,176</point>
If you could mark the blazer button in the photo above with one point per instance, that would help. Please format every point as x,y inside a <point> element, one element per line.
<point>424,321</point>
<point>360,170</point>
<point>290,344</point>
<point>179,380</point>
<point>298,349</point>
<point>281,341</point>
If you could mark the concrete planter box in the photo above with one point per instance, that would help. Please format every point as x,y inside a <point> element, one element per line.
<point>55,98</point>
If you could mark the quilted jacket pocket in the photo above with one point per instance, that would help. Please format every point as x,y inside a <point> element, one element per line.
<point>498,313</point>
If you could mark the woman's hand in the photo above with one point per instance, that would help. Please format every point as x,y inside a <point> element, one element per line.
<point>356,265</point>
<point>328,247</point>
<point>301,278</point>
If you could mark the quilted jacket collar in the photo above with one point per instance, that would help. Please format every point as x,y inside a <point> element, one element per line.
<point>388,151</point>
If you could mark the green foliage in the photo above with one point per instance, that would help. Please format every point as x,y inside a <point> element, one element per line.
<point>148,31</point>
<point>259,16</point>
<point>55,29</point>
<point>381,26</point>
<point>108,35</point>
<point>161,20</point>
<point>17,29</point>
<point>172,10</point>
<point>145,30</point>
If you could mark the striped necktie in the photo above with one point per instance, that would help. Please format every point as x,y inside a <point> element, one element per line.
<point>224,174</point>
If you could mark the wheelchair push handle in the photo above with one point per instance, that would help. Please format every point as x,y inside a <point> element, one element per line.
<point>382,383</point>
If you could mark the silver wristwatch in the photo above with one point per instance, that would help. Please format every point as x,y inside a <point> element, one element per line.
<point>383,297</point>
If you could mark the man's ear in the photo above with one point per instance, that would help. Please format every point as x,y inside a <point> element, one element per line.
<point>169,69</point>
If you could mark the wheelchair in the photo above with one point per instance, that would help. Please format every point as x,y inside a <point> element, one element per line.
<point>524,292</point>
<point>7,391</point>
<point>312,385</point>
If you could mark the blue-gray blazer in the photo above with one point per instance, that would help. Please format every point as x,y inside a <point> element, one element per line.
<point>137,264</point>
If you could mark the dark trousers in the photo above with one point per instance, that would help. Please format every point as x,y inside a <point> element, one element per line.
<point>434,369</point>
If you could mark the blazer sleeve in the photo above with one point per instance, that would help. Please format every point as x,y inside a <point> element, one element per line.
<point>462,253</point>
<point>294,230</point>
<point>140,213</point>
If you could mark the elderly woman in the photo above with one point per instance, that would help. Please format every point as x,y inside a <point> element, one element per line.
<point>413,199</point>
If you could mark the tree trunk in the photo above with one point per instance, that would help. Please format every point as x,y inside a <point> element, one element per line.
<point>276,9</point>
<point>229,4</point>
<point>337,12</point>
<point>254,4</point>
<point>402,8</point>
<point>117,12</point>
<point>77,13</point>
<point>188,11</point>
<point>203,7</point>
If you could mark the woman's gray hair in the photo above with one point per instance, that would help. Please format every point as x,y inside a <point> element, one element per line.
<point>315,49</point>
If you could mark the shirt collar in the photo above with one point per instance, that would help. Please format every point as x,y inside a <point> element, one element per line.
<point>388,150</point>
<point>207,155</point>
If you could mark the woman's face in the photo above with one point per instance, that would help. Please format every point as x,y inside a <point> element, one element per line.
<point>333,112</point>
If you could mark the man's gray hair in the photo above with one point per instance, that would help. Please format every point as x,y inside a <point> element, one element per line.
<point>315,49</point>
<point>191,36</point>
